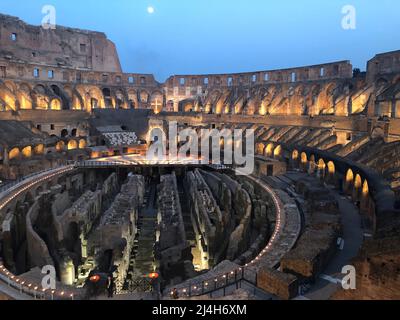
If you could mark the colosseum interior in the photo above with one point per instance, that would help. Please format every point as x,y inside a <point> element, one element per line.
<point>80,196</point>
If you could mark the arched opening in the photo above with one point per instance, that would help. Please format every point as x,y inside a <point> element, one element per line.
<point>13,154</point>
<point>364,203</point>
<point>295,155</point>
<point>170,106</point>
<point>311,165</point>
<point>278,152</point>
<point>294,160</point>
<point>82,144</point>
<point>348,187</point>
<point>321,168</point>
<point>269,150</point>
<point>60,146</point>
<point>73,132</point>
<point>72,145</point>
<point>64,133</point>
<point>39,149</point>
<point>304,161</point>
<point>107,98</point>
<point>331,171</point>
<point>260,148</point>
<point>65,105</point>
<point>27,152</point>
<point>94,103</point>
<point>55,104</point>
<point>357,187</point>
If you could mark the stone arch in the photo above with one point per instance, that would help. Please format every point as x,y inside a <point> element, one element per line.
<point>77,102</point>
<point>55,104</point>
<point>120,102</point>
<point>144,96</point>
<point>108,100</point>
<point>60,146</point>
<point>295,155</point>
<point>157,101</point>
<point>295,158</point>
<point>72,144</point>
<point>357,187</point>
<point>24,96</point>
<point>321,166</point>
<point>11,86</point>
<point>39,149</point>
<point>260,148</point>
<point>304,160</point>
<point>14,153</point>
<point>27,152</point>
<point>269,150</point>
<point>7,98</point>
<point>312,164</point>
<point>64,133</point>
<point>364,201</point>
<point>331,170</point>
<point>82,144</point>
<point>170,106</point>
<point>349,180</point>
<point>278,152</point>
<point>132,99</point>
<point>64,98</point>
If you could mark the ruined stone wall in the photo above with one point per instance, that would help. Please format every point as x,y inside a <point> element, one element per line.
<point>377,276</point>
<point>37,249</point>
<point>384,65</point>
<point>60,47</point>
<point>172,248</point>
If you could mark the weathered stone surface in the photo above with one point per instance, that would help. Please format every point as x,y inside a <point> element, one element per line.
<point>283,285</point>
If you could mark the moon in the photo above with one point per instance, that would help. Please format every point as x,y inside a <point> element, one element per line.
<point>150,10</point>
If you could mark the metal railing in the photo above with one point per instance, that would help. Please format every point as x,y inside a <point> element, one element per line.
<point>9,185</point>
<point>217,283</point>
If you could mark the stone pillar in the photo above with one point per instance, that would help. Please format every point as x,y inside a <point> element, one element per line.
<point>5,157</point>
<point>176,106</point>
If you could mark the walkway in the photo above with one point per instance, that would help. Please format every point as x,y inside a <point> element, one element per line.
<point>330,281</point>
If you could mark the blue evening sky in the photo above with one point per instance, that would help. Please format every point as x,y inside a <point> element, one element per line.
<point>224,36</point>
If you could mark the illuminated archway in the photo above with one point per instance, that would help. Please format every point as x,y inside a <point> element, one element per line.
<point>278,152</point>
<point>364,203</point>
<point>365,189</point>
<point>311,165</point>
<point>14,153</point>
<point>331,168</point>
<point>321,168</point>
<point>330,171</point>
<point>304,161</point>
<point>55,104</point>
<point>60,146</point>
<point>349,180</point>
<point>295,159</point>
<point>295,155</point>
<point>357,186</point>
<point>27,152</point>
<point>82,144</point>
<point>39,149</point>
<point>269,150</point>
<point>260,148</point>
<point>72,145</point>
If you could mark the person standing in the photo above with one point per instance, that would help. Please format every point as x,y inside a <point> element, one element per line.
<point>110,286</point>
